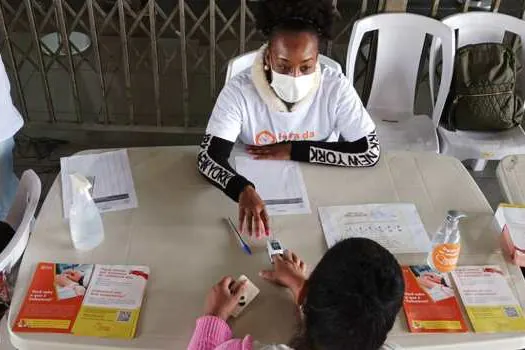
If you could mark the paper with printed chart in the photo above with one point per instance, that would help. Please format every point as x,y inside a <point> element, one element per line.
<point>279,183</point>
<point>110,175</point>
<point>488,299</point>
<point>397,227</point>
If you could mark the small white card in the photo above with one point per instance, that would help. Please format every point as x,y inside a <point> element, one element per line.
<point>247,296</point>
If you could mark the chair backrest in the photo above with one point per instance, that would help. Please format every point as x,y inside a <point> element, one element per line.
<point>20,217</point>
<point>242,62</point>
<point>401,37</point>
<point>480,27</point>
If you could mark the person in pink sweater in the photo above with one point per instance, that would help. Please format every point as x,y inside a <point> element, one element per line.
<point>349,302</point>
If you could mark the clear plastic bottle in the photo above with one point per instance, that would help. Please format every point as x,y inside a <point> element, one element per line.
<point>446,243</point>
<point>85,222</point>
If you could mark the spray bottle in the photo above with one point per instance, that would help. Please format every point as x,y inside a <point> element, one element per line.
<point>446,243</point>
<point>85,222</point>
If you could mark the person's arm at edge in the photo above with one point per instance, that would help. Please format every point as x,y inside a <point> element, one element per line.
<point>364,152</point>
<point>212,163</point>
<point>211,332</point>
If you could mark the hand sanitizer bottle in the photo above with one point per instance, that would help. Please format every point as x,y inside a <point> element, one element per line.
<point>85,222</point>
<point>446,244</point>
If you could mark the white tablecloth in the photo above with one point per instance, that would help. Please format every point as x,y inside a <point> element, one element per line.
<point>178,231</point>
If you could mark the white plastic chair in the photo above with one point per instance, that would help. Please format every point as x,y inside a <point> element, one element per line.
<point>473,28</point>
<point>391,103</point>
<point>242,62</point>
<point>5,343</point>
<point>20,218</point>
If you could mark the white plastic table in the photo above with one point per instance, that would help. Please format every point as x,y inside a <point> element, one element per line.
<point>511,178</point>
<point>178,231</point>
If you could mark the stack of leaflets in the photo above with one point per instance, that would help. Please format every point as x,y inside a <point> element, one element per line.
<point>84,299</point>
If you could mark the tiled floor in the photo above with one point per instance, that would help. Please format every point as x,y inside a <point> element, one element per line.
<point>43,156</point>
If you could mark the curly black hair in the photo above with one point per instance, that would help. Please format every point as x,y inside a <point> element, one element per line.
<point>296,15</point>
<point>354,295</point>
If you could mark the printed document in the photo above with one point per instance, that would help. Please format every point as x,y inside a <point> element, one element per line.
<point>110,175</point>
<point>488,299</point>
<point>430,303</point>
<point>84,299</point>
<point>279,183</point>
<point>397,227</point>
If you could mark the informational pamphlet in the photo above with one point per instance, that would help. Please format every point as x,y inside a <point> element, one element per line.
<point>430,303</point>
<point>84,299</point>
<point>488,299</point>
<point>396,226</point>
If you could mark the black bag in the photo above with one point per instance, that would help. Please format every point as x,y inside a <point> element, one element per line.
<point>483,95</point>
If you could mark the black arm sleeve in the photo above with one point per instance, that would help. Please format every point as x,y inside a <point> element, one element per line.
<point>361,153</point>
<point>212,163</point>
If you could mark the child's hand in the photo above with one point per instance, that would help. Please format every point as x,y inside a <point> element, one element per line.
<point>223,298</point>
<point>289,271</point>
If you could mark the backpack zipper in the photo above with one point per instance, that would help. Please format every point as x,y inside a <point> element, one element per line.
<point>486,94</point>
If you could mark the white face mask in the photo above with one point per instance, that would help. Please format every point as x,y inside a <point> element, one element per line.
<point>292,89</point>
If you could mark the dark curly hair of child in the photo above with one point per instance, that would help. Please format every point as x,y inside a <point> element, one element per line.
<point>296,16</point>
<point>353,297</point>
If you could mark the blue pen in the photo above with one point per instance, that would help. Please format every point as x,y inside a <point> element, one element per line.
<point>243,244</point>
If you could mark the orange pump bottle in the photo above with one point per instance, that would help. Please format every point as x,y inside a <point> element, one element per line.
<point>446,244</point>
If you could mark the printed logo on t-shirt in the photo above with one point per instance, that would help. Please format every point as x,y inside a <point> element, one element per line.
<point>266,137</point>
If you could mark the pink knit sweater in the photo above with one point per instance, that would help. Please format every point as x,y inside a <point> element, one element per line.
<point>212,333</point>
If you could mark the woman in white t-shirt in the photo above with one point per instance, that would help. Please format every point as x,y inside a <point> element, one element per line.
<point>10,123</point>
<point>286,106</point>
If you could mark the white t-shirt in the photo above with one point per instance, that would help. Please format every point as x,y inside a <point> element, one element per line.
<point>10,119</point>
<point>242,114</point>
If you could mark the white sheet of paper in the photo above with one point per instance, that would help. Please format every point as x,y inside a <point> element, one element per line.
<point>397,227</point>
<point>110,174</point>
<point>279,183</point>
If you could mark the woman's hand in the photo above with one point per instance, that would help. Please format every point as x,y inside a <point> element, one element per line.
<point>278,151</point>
<point>252,213</point>
<point>289,271</point>
<point>223,298</point>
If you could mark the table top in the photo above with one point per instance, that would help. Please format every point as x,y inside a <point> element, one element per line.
<point>178,231</point>
<point>511,178</point>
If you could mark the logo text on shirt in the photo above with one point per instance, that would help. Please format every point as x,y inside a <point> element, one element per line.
<point>267,137</point>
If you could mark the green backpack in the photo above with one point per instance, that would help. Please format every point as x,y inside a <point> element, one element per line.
<point>483,95</point>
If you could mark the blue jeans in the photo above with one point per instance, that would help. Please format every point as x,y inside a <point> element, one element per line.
<point>8,179</point>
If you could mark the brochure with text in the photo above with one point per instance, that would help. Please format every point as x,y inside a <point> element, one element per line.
<point>430,303</point>
<point>84,299</point>
<point>488,299</point>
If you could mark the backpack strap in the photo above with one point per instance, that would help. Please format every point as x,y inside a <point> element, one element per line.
<point>513,41</point>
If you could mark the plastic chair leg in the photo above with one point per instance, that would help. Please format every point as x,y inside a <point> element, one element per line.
<point>478,164</point>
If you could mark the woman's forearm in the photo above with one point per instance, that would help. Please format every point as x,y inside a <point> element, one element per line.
<point>364,152</point>
<point>213,164</point>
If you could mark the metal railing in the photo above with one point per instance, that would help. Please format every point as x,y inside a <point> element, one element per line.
<point>149,65</point>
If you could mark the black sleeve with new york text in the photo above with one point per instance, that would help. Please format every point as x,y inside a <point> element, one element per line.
<point>213,164</point>
<point>361,153</point>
